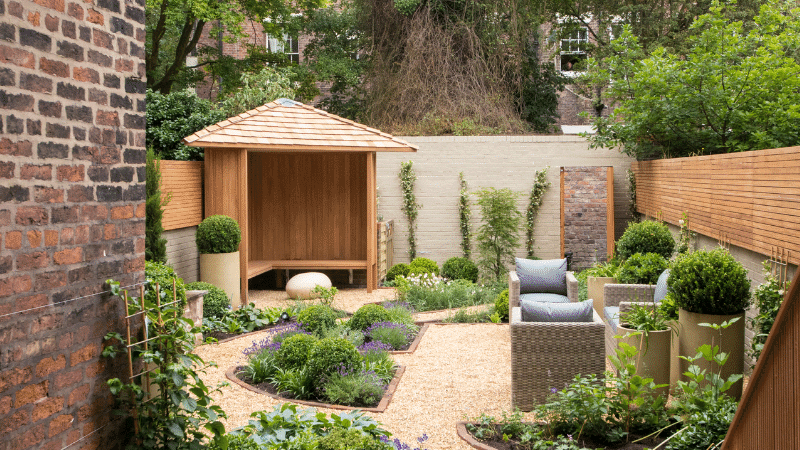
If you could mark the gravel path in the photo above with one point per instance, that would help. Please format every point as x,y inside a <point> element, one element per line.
<point>458,372</point>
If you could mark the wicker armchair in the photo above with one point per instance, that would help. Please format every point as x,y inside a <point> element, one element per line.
<point>547,355</point>
<point>514,293</point>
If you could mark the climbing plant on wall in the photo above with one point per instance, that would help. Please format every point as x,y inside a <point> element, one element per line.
<point>410,205</point>
<point>540,186</point>
<point>464,216</point>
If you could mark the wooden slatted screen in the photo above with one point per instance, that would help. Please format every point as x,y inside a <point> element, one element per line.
<point>749,199</point>
<point>769,413</point>
<point>184,180</point>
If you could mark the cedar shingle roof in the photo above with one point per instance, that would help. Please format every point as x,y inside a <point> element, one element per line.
<point>291,126</point>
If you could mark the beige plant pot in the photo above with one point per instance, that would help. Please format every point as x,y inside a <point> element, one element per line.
<point>674,361</point>
<point>731,341</point>
<point>653,360</point>
<point>222,270</point>
<point>595,289</point>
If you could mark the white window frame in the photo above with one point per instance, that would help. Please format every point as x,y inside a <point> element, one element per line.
<point>579,37</point>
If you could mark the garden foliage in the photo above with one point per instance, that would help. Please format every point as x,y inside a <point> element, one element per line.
<point>540,185</point>
<point>155,246</point>
<point>422,265</point>
<point>172,117</point>
<point>498,235</point>
<point>168,284</point>
<point>709,282</point>
<point>768,299</point>
<point>367,315</point>
<point>410,206</point>
<point>218,234</point>
<point>458,268</point>
<point>733,88</point>
<point>317,318</point>
<point>258,88</point>
<point>399,269</point>
<point>642,268</point>
<point>215,303</point>
<point>464,214</point>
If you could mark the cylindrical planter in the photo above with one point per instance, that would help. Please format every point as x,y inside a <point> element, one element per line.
<point>222,270</point>
<point>674,361</point>
<point>653,360</point>
<point>730,341</point>
<point>595,288</point>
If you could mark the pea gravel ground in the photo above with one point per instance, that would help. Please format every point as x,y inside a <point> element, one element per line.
<point>458,372</point>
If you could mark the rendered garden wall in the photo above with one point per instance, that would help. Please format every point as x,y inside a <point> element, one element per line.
<point>72,213</point>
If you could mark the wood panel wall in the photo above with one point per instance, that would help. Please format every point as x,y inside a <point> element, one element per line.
<point>184,181</point>
<point>769,413</point>
<point>308,206</point>
<point>749,199</point>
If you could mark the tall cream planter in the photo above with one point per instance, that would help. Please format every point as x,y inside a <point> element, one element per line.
<point>653,360</point>
<point>595,290</point>
<point>222,270</point>
<point>692,336</point>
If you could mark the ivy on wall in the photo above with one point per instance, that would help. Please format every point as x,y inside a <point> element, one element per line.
<point>540,186</point>
<point>464,214</point>
<point>410,205</point>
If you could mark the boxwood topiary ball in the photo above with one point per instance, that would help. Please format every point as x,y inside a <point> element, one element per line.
<point>642,269</point>
<point>646,237</point>
<point>709,282</point>
<point>367,315</point>
<point>331,354</point>
<point>218,234</point>
<point>422,265</point>
<point>396,271</point>
<point>459,268</point>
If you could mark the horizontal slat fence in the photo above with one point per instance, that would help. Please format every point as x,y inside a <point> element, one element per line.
<point>748,199</point>
<point>184,181</point>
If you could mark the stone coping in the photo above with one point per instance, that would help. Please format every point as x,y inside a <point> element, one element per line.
<point>461,429</point>
<point>384,403</point>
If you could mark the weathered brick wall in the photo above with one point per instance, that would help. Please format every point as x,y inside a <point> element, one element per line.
<point>488,161</point>
<point>585,215</point>
<point>71,212</point>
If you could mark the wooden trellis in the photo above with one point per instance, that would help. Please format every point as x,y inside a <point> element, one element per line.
<point>779,264</point>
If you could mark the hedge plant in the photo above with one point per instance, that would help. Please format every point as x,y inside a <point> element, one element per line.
<point>163,275</point>
<point>218,234</point>
<point>330,355</point>
<point>422,265</point>
<point>646,237</point>
<point>215,303</point>
<point>501,306</point>
<point>400,269</point>
<point>367,315</point>
<point>317,318</point>
<point>642,268</point>
<point>709,282</point>
<point>458,268</point>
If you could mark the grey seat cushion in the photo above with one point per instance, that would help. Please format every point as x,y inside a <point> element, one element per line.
<point>557,312</point>
<point>545,298</point>
<point>544,275</point>
<point>661,287</point>
<point>611,314</point>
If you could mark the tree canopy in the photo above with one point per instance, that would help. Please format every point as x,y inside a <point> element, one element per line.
<point>733,89</point>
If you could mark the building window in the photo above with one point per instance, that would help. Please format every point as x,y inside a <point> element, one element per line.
<point>573,50</point>
<point>288,45</point>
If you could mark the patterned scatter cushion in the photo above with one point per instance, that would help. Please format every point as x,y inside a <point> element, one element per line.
<point>612,316</point>
<point>544,275</point>
<point>546,298</point>
<point>557,312</point>
<point>661,287</point>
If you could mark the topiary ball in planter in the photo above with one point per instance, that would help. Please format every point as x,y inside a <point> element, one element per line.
<point>646,237</point>
<point>422,265</point>
<point>400,269</point>
<point>459,268</point>
<point>709,282</point>
<point>642,269</point>
<point>215,302</point>
<point>218,234</point>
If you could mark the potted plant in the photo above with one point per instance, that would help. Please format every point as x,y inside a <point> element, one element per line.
<point>598,276</point>
<point>218,239</point>
<point>711,287</point>
<point>646,329</point>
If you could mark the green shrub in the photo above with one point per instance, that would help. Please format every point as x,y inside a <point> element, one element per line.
<point>397,270</point>
<point>501,306</point>
<point>218,234</point>
<point>456,294</point>
<point>400,314</point>
<point>347,439</point>
<point>315,319</point>
<point>355,389</point>
<point>459,268</point>
<point>294,351</point>
<point>367,315</point>
<point>768,298</point>
<point>709,282</point>
<point>667,308</point>
<point>330,355</point>
<point>163,275</point>
<point>215,303</point>
<point>237,442</point>
<point>422,265</point>
<point>646,237</point>
<point>642,268</point>
<point>344,332</point>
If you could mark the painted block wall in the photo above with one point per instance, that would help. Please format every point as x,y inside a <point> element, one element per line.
<point>487,161</point>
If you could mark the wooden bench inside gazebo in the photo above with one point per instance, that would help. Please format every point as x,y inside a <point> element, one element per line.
<point>301,183</point>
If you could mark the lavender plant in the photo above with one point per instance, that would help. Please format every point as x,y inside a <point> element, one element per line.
<point>397,335</point>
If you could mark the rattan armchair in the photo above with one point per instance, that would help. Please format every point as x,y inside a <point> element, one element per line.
<point>547,355</point>
<point>514,292</point>
<point>618,298</point>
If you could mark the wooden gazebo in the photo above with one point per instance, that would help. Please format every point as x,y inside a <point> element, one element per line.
<point>301,183</point>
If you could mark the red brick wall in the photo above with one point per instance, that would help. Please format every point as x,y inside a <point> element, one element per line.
<point>585,202</point>
<point>71,212</point>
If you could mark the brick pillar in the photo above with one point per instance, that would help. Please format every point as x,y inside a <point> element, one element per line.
<point>71,212</point>
<point>585,199</point>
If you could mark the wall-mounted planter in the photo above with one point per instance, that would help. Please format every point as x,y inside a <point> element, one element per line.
<point>222,270</point>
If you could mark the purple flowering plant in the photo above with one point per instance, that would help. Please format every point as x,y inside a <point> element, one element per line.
<point>397,335</point>
<point>397,444</point>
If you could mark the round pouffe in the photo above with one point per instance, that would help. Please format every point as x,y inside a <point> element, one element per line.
<point>301,285</point>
